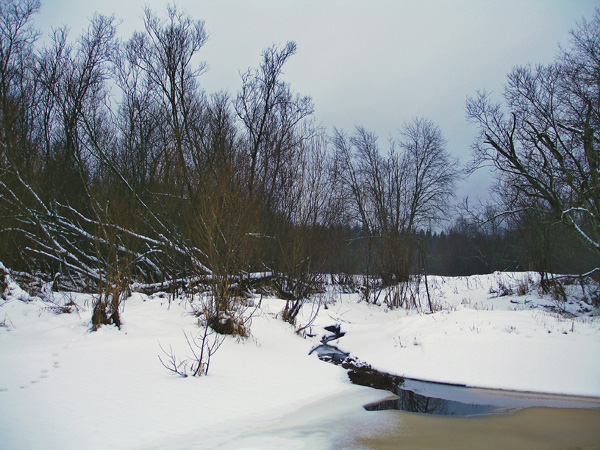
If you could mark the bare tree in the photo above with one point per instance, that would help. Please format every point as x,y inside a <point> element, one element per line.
<point>140,148</point>
<point>224,224</point>
<point>432,172</point>
<point>360,166</point>
<point>165,53</point>
<point>543,138</point>
<point>18,149</point>
<point>71,85</point>
<point>17,38</point>
<point>73,78</point>
<point>393,195</point>
<point>271,116</point>
<point>311,207</point>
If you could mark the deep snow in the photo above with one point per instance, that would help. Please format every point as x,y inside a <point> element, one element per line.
<point>62,386</point>
<point>514,342</point>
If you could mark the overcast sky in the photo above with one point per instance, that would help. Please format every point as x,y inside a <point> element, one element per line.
<point>376,63</point>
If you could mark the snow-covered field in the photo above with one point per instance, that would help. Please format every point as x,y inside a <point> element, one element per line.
<point>64,387</point>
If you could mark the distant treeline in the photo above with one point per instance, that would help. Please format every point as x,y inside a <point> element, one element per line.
<point>462,250</point>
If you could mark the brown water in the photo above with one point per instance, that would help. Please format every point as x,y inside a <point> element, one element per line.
<point>425,415</point>
<point>530,428</point>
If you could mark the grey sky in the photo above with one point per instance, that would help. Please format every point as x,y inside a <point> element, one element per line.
<point>375,63</point>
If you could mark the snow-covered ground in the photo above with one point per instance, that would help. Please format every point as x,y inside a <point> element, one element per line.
<point>64,387</point>
<point>479,337</point>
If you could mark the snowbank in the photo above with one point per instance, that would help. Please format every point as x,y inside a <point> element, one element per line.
<point>478,338</point>
<point>64,387</point>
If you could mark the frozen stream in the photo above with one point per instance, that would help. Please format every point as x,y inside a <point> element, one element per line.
<point>425,415</point>
<point>499,419</point>
<point>339,422</point>
<point>417,396</point>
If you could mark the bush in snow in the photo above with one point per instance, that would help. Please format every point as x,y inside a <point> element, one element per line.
<point>112,292</point>
<point>523,286</point>
<point>203,346</point>
<point>346,283</point>
<point>3,281</point>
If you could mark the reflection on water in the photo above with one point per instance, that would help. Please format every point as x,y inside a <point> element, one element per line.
<point>418,397</point>
<point>411,402</point>
<point>445,399</point>
<point>450,417</point>
<point>440,399</point>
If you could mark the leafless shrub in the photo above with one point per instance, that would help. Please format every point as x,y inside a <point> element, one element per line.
<point>172,363</point>
<point>296,290</point>
<point>590,288</point>
<point>67,308</point>
<point>315,305</point>
<point>557,291</point>
<point>523,286</point>
<point>203,346</point>
<point>371,289</point>
<point>591,291</point>
<point>107,302</point>
<point>227,315</point>
<point>346,283</point>
<point>7,323</point>
<point>229,322</point>
<point>502,289</point>
<point>3,282</point>
<point>403,295</point>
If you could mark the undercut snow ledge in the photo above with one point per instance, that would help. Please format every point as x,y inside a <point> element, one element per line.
<point>488,349</point>
<point>477,339</point>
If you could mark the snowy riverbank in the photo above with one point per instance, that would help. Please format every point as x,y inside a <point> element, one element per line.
<point>64,387</point>
<point>478,337</point>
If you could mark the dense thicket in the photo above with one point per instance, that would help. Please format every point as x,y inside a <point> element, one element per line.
<point>117,167</point>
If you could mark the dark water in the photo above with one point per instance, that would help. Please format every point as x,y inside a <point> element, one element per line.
<point>424,397</point>
<point>329,353</point>
<point>457,417</point>
<point>411,402</point>
<point>451,400</point>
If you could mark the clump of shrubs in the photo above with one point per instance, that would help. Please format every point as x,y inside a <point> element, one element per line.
<point>3,282</point>
<point>557,291</point>
<point>227,324</point>
<point>502,290</point>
